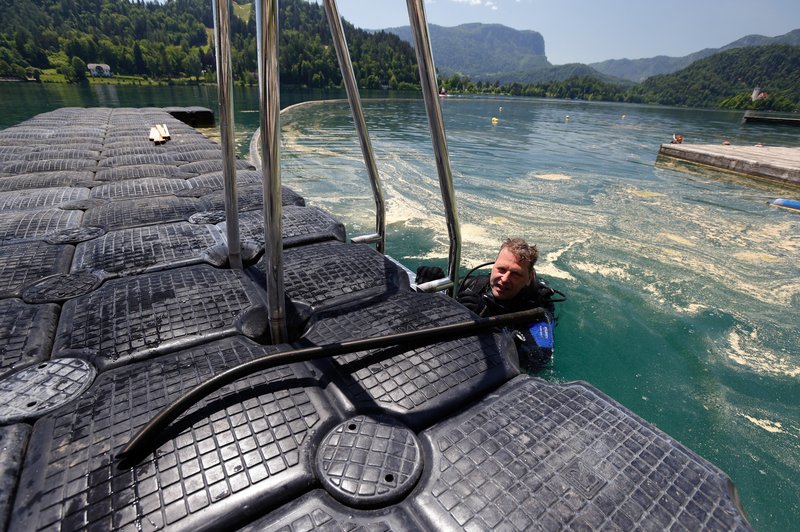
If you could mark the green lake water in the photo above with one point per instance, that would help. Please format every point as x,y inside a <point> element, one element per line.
<point>684,286</point>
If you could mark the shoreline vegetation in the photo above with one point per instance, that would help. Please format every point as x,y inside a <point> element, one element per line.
<point>170,43</point>
<point>583,89</point>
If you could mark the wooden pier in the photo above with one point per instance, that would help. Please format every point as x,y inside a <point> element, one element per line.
<point>766,118</point>
<point>773,163</point>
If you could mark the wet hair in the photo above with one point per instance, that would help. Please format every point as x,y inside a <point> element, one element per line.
<point>521,251</point>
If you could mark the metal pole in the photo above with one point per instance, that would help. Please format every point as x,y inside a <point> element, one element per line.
<point>269,98</point>
<point>430,93</point>
<point>349,79</point>
<point>222,39</point>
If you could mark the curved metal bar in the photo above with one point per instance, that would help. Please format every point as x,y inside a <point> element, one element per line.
<point>222,42</point>
<point>137,447</point>
<point>430,93</point>
<point>349,79</point>
<point>269,107</point>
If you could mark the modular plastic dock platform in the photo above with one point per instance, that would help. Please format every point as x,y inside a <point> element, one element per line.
<point>115,300</point>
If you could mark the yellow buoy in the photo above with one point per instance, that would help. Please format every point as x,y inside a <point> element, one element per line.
<point>495,120</point>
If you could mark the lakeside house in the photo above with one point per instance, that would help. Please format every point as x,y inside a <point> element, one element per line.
<point>99,70</point>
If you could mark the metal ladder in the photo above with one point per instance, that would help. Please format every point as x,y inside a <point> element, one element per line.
<point>269,109</point>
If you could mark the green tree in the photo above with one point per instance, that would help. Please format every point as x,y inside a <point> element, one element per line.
<point>78,69</point>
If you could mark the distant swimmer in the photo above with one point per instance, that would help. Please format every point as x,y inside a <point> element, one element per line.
<point>677,138</point>
<point>495,120</point>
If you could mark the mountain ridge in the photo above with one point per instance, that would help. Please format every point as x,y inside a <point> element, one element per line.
<point>494,49</point>
<point>510,61</point>
<point>638,70</point>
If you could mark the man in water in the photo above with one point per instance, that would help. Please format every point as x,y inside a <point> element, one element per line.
<point>509,282</point>
<point>512,286</point>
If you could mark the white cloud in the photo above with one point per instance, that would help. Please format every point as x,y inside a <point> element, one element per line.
<point>471,2</point>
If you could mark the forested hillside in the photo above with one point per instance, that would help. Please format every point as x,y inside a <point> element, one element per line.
<point>173,40</point>
<point>727,79</point>
<point>640,69</point>
<point>724,81</point>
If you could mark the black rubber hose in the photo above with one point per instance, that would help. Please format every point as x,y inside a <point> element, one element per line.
<point>461,284</point>
<point>137,447</point>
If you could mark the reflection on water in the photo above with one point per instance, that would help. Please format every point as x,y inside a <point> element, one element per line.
<point>684,288</point>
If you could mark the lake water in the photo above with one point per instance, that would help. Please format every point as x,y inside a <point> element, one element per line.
<point>684,287</point>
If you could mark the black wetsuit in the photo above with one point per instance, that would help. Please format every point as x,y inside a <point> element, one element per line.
<point>476,294</point>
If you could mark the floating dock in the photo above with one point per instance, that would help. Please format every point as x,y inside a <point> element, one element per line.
<point>766,118</point>
<point>116,299</point>
<point>765,162</point>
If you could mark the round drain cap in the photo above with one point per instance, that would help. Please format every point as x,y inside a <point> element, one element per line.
<point>207,217</point>
<point>61,287</point>
<point>369,461</point>
<point>75,236</point>
<point>36,390</point>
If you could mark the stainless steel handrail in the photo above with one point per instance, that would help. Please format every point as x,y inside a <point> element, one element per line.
<point>349,79</point>
<point>222,40</point>
<point>433,108</point>
<point>269,98</point>
<point>269,108</point>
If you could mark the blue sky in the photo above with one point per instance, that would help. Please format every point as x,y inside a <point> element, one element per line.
<point>586,31</point>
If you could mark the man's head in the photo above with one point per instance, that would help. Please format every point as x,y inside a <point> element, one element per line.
<point>513,268</point>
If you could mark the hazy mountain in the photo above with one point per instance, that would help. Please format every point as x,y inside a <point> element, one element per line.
<point>483,51</point>
<point>640,69</point>
<point>492,52</point>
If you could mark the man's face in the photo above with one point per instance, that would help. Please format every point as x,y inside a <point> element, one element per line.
<point>508,276</point>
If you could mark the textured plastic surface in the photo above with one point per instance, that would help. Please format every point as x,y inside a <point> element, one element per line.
<point>564,456</point>
<point>44,180</point>
<point>299,226</point>
<point>141,172</point>
<point>144,211</point>
<point>13,442</point>
<point>317,511</point>
<point>369,462</point>
<point>24,264</point>
<point>145,187</point>
<point>331,273</point>
<point>47,165</point>
<point>137,317</point>
<point>26,333</point>
<point>36,390</point>
<point>531,456</point>
<point>74,236</point>
<point>62,286</point>
<point>145,248</point>
<point>206,167</point>
<point>40,198</point>
<point>418,385</point>
<point>243,450</point>
<point>71,152</point>
<point>161,159</point>
<point>213,179</point>
<point>26,226</point>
